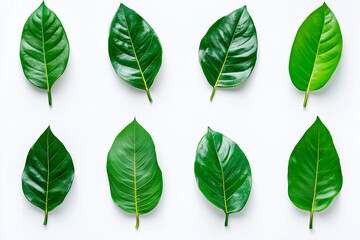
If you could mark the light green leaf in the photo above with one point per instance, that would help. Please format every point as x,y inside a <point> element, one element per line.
<point>316,51</point>
<point>134,174</point>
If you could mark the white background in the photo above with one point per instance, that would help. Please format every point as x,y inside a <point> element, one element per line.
<point>91,105</point>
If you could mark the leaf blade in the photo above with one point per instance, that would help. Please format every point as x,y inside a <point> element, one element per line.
<point>134,175</point>
<point>222,172</point>
<point>316,51</point>
<point>134,49</point>
<point>44,49</point>
<point>314,171</point>
<point>48,173</point>
<point>228,51</point>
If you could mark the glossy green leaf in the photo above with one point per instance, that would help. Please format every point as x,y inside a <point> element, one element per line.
<point>134,49</point>
<point>134,174</point>
<point>44,49</point>
<point>48,173</point>
<point>314,172</point>
<point>228,50</point>
<point>222,172</point>
<point>316,51</point>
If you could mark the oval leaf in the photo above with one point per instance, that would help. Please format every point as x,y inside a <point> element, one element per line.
<point>48,173</point>
<point>228,50</point>
<point>314,172</point>
<point>44,49</point>
<point>316,51</point>
<point>222,172</point>
<point>134,49</point>
<point>134,174</point>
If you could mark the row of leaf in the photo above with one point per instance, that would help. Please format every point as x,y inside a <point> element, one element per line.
<point>227,52</point>
<point>222,172</point>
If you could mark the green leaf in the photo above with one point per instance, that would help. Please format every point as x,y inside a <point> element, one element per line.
<point>222,172</point>
<point>48,173</point>
<point>228,50</point>
<point>134,49</point>
<point>314,172</point>
<point>44,49</point>
<point>316,51</point>
<point>134,174</point>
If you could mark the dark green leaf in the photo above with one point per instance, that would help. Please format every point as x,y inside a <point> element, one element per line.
<point>316,51</point>
<point>228,50</point>
<point>48,173</point>
<point>134,49</point>
<point>134,174</point>
<point>44,49</point>
<point>314,172</point>
<point>222,172</point>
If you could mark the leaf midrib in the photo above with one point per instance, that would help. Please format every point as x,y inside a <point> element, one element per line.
<point>136,58</point>
<point>316,56</point>
<point>317,168</point>
<point>48,171</point>
<point>43,46</point>
<point>222,176</point>
<point>135,188</point>
<point>227,53</point>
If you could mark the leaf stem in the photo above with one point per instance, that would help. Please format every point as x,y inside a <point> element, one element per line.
<point>311,219</point>
<point>213,93</point>
<point>49,96</point>
<point>46,218</point>
<point>137,221</point>
<point>226,219</point>
<point>148,94</point>
<point>306,97</point>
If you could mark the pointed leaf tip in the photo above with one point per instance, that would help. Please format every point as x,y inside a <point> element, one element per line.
<point>318,120</point>
<point>43,5</point>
